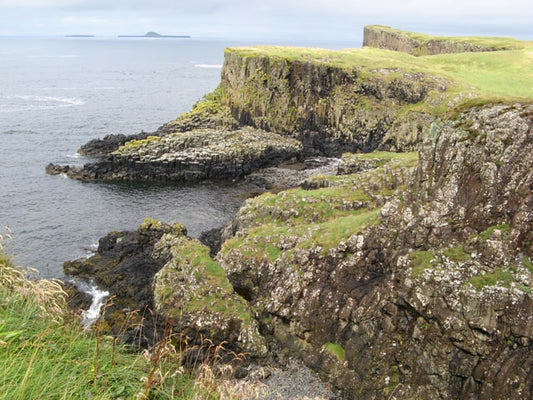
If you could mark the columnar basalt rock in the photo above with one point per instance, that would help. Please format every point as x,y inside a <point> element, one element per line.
<point>189,157</point>
<point>401,277</point>
<point>330,109</point>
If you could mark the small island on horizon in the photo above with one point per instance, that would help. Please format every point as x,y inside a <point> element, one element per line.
<point>79,36</point>
<point>154,35</point>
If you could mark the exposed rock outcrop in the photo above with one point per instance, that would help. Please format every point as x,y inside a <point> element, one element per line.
<point>417,44</point>
<point>331,109</point>
<point>404,276</point>
<point>432,299</point>
<point>108,144</point>
<point>157,276</point>
<point>189,157</point>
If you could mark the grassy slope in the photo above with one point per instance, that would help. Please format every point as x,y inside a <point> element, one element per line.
<point>45,353</point>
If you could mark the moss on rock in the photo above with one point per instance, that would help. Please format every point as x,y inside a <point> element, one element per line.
<point>193,290</point>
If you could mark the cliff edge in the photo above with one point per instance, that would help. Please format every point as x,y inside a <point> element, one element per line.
<point>418,44</point>
<point>406,275</point>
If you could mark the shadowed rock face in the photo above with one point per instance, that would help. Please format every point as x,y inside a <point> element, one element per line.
<point>329,109</point>
<point>158,280</point>
<point>396,281</point>
<point>124,265</point>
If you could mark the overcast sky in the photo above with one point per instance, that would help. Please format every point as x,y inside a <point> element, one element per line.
<point>276,19</point>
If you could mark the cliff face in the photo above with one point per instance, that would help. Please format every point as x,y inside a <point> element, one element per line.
<point>408,275</point>
<point>330,109</point>
<point>384,37</point>
<point>422,293</point>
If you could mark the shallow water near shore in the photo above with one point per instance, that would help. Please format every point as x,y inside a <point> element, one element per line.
<point>58,93</point>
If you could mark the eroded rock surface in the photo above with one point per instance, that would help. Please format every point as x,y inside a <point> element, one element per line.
<point>189,157</point>
<point>431,297</point>
<point>159,278</point>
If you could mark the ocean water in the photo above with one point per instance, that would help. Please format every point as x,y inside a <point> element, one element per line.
<point>58,93</point>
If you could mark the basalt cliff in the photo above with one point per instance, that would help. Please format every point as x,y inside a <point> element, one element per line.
<point>406,275</point>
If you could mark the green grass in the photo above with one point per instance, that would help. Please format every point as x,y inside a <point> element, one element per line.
<point>457,254</point>
<point>489,76</point>
<point>504,228</point>
<point>336,350</point>
<point>420,261</point>
<point>527,263</point>
<point>500,43</point>
<point>46,354</point>
<point>212,289</point>
<point>498,277</point>
<point>53,358</point>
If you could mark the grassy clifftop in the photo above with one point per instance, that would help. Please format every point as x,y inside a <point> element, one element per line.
<point>503,74</point>
<point>420,44</point>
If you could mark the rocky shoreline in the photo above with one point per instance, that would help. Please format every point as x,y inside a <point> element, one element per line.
<point>392,274</point>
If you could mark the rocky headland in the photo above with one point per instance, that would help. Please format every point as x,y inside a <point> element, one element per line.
<point>406,274</point>
<point>419,44</point>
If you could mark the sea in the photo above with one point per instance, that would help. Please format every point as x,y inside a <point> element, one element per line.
<point>57,93</point>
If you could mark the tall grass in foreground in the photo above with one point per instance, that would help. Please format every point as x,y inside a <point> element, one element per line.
<point>46,354</point>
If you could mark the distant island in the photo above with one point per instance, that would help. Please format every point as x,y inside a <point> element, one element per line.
<point>79,36</point>
<point>154,35</point>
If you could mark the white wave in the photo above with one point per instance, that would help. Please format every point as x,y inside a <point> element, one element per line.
<point>208,65</point>
<point>93,313</point>
<point>98,296</point>
<point>62,100</point>
<point>75,155</point>
<point>33,102</point>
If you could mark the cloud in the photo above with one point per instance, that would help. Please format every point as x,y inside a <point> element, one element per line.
<point>249,18</point>
<point>77,20</point>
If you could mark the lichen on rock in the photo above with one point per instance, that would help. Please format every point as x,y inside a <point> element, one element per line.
<point>193,291</point>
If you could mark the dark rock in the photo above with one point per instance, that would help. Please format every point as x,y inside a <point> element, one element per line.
<point>432,302</point>
<point>190,157</point>
<point>212,239</point>
<point>123,265</point>
<point>77,300</point>
<point>107,145</point>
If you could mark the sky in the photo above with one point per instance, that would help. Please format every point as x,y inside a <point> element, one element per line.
<point>254,19</point>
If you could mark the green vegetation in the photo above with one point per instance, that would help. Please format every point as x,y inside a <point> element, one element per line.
<point>46,354</point>
<point>457,254</point>
<point>504,228</point>
<point>420,261</point>
<point>527,263</point>
<point>499,276</point>
<point>496,43</point>
<point>279,225</point>
<point>210,106</point>
<point>208,287</point>
<point>336,350</point>
<point>488,77</point>
<point>134,144</point>
<point>385,156</point>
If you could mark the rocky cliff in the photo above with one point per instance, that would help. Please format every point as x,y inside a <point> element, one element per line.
<point>417,44</point>
<point>407,275</point>
<point>405,291</point>
<point>328,106</point>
